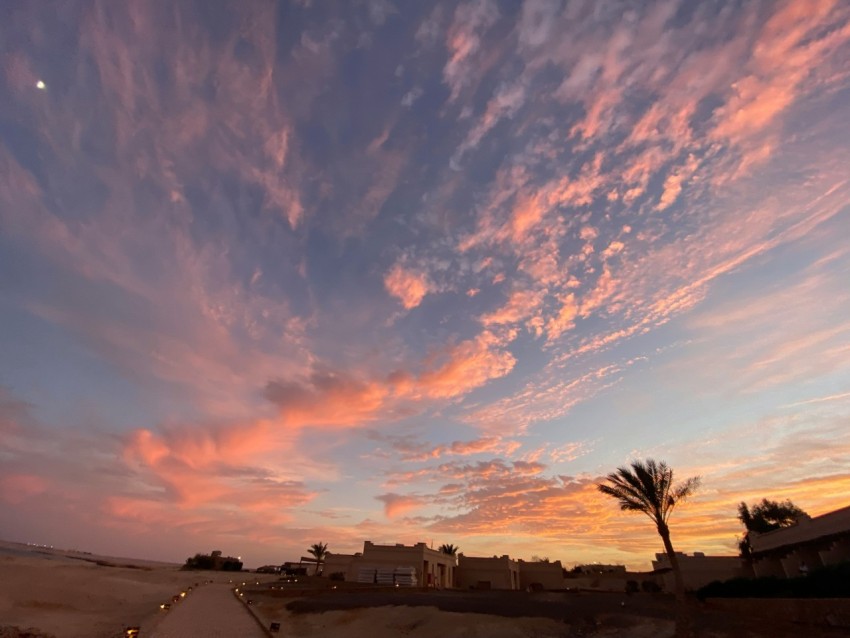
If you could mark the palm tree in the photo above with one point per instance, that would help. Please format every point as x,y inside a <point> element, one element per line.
<point>448,548</point>
<point>319,550</point>
<point>648,487</point>
<point>765,517</point>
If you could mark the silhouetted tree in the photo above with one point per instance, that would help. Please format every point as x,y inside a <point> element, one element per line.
<point>765,517</point>
<point>448,548</point>
<point>647,486</point>
<point>319,550</point>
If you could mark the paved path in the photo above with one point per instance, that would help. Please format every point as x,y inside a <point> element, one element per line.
<point>210,611</point>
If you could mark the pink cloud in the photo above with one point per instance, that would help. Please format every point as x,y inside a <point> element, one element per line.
<point>407,285</point>
<point>468,365</point>
<point>397,504</point>
<point>19,488</point>
<point>471,21</point>
<point>520,305</point>
<point>415,451</point>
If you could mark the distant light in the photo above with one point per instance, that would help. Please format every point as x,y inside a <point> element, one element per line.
<point>41,85</point>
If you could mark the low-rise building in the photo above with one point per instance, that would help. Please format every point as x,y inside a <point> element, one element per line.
<point>597,569</point>
<point>391,564</point>
<point>599,577</point>
<point>698,569</point>
<point>809,544</point>
<point>541,574</point>
<point>497,572</point>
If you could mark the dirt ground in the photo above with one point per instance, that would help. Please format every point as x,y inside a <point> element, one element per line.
<point>370,614</point>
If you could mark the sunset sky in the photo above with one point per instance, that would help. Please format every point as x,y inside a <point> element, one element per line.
<point>280,273</point>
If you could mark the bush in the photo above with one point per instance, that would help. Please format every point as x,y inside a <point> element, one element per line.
<point>205,561</point>
<point>337,576</point>
<point>632,587</point>
<point>650,587</point>
<point>827,582</point>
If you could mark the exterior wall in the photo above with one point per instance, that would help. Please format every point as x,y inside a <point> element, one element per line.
<point>345,563</point>
<point>433,568</point>
<point>768,566</point>
<point>807,545</point>
<point>836,552</point>
<point>487,573</point>
<point>699,569</point>
<point>549,575</point>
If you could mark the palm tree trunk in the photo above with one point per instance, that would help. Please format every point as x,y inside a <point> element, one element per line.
<point>684,620</point>
<point>664,532</point>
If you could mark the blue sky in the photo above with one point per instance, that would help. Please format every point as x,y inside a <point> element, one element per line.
<point>280,273</point>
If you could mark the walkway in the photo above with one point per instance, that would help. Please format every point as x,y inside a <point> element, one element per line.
<point>210,611</point>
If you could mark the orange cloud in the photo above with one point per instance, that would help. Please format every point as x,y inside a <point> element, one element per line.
<point>565,319</point>
<point>412,451</point>
<point>520,305</point>
<point>408,286</point>
<point>329,398</point>
<point>398,504</point>
<point>468,365</point>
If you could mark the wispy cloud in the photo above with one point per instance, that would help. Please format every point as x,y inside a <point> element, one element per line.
<point>418,263</point>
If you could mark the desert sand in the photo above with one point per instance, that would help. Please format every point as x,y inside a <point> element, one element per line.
<point>70,595</point>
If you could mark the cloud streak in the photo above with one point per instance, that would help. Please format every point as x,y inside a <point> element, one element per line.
<point>272,273</point>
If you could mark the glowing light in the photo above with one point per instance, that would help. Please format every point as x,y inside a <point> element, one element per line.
<point>41,85</point>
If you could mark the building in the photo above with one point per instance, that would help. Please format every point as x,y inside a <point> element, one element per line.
<point>809,544</point>
<point>392,565</point>
<point>498,572</point>
<point>598,569</point>
<point>541,575</point>
<point>599,577</point>
<point>699,570</point>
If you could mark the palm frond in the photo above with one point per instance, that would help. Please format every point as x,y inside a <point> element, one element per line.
<point>647,486</point>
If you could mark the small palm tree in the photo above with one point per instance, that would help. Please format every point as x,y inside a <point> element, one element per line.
<point>448,548</point>
<point>647,486</point>
<point>319,550</point>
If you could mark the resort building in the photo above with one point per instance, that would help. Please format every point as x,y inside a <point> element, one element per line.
<point>598,569</point>
<point>699,569</point>
<point>541,575</point>
<point>402,565</point>
<point>599,577</point>
<point>809,544</point>
<point>498,572</point>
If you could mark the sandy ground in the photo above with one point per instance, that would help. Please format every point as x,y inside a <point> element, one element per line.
<point>69,595</point>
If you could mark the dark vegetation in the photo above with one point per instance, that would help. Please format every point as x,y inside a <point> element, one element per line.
<point>765,517</point>
<point>832,581</point>
<point>205,561</point>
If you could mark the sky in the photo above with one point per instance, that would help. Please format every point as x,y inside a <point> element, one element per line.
<point>280,273</point>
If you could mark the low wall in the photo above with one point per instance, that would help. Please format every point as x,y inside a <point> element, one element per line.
<point>824,612</point>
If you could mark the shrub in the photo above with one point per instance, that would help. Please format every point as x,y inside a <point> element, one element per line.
<point>337,576</point>
<point>827,582</point>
